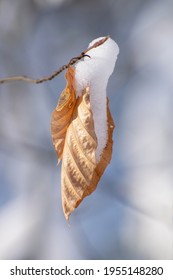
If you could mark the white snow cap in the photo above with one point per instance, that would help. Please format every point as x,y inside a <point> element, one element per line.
<point>94,71</point>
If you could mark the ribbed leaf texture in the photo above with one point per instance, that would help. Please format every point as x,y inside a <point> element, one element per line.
<point>75,142</point>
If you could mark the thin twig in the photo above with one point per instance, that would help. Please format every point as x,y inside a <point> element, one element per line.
<point>56,73</point>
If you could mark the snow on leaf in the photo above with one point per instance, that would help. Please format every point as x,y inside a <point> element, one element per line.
<point>82,125</point>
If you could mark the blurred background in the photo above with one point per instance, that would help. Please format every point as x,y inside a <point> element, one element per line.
<point>130,215</point>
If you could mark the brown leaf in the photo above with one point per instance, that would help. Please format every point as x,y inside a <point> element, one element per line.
<point>62,115</point>
<point>75,142</point>
<point>80,173</point>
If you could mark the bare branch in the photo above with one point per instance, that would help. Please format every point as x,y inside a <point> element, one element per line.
<point>56,73</point>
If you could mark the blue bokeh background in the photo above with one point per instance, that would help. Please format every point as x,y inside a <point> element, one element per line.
<point>130,215</point>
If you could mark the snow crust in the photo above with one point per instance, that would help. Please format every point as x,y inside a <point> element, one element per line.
<point>95,72</point>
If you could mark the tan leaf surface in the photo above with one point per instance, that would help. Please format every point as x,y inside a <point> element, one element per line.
<point>80,173</point>
<point>62,115</point>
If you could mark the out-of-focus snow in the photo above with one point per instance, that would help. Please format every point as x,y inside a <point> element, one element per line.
<point>94,71</point>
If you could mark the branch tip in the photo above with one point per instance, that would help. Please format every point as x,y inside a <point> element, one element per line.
<point>56,73</point>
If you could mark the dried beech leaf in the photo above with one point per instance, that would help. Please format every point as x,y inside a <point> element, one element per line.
<point>80,172</point>
<point>62,115</point>
<point>82,131</point>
